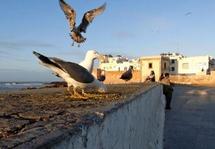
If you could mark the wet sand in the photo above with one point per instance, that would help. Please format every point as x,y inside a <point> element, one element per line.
<point>31,113</point>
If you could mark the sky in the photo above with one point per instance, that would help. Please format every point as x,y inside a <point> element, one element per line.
<point>131,28</point>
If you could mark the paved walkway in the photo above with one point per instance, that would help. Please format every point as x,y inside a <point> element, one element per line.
<point>191,122</point>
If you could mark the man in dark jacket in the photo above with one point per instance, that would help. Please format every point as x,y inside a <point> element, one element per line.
<point>167,90</point>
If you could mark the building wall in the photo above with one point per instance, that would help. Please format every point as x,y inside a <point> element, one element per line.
<point>112,77</point>
<point>118,63</point>
<point>145,69</point>
<point>173,66</point>
<point>160,65</point>
<point>135,124</point>
<point>181,65</point>
<point>165,65</point>
<point>113,66</point>
<point>193,65</point>
<point>173,60</point>
<point>208,80</point>
<point>198,65</point>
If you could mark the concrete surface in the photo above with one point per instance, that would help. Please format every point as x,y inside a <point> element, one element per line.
<point>136,124</point>
<point>31,118</point>
<point>129,116</point>
<point>191,122</point>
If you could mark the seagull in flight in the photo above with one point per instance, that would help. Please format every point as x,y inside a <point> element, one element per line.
<point>188,13</point>
<point>88,17</point>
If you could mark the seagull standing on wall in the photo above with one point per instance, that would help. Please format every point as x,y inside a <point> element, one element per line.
<point>86,20</point>
<point>74,74</point>
<point>101,76</point>
<point>88,61</point>
<point>126,76</point>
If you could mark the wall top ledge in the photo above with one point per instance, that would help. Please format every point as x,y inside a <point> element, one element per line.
<point>67,119</point>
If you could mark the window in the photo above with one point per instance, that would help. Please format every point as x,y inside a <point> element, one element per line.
<point>172,68</point>
<point>185,66</point>
<point>173,61</point>
<point>164,65</point>
<point>150,65</point>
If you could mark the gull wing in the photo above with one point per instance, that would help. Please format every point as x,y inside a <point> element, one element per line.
<point>89,16</point>
<point>69,12</point>
<point>75,71</point>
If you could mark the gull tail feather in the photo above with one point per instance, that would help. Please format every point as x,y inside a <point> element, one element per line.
<point>45,59</point>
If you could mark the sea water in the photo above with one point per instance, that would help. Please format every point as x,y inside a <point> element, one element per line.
<point>7,86</point>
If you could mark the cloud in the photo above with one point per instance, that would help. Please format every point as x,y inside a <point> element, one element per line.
<point>4,52</point>
<point>9,49</point>
<point>188,13</point>
<point>16,45</point>
<point>5,55</point>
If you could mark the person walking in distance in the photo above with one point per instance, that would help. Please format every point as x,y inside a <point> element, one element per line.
<point>167,90</point>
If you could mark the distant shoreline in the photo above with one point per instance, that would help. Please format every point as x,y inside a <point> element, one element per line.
<point>15,86</point>
<point>10,86</point>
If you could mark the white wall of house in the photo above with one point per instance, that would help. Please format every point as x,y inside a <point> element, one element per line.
<point>119,64</point>
<point>177,64</point>
<point>193,65</point>
<point>180,64</point>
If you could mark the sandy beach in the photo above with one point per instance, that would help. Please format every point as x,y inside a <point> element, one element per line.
<point>28,114</point>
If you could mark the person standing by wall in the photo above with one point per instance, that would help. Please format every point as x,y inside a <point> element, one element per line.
<point>167,90</point>
<point>162,76</point>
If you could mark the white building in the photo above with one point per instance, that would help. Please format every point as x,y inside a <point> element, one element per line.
<point>118,63</point>
<point>212,64</point>
<point>194,65</point>
<point>174,63</point>
<point>180,64</point>
<point>174,59</point>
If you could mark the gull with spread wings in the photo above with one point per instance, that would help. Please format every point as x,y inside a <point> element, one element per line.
<point>86,20</point>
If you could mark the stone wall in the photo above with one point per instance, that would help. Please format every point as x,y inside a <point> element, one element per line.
<point>112,77</point>
<point>208,80</point>
<point>136,123</point>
